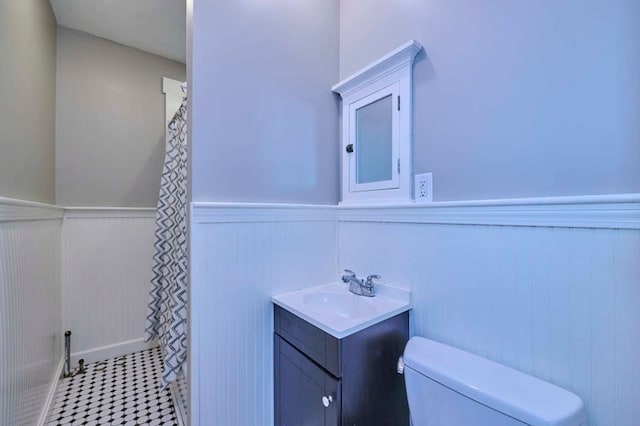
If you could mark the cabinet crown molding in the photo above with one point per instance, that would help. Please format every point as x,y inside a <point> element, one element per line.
<point>389,63</point>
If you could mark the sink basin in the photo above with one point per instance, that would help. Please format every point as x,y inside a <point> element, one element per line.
<point>332,308</point>
<point>343,304</point>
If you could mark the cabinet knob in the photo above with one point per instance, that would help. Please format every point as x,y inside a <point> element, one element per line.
<point>327,400</point>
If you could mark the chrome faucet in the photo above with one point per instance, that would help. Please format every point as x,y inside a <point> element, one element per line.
<point>358,285</point>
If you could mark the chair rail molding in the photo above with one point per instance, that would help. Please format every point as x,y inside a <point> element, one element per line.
<point>618,211</point>
<point>13,209</point>
<point>615,211</point>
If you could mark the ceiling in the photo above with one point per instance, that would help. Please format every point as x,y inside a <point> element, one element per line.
<point>155,26</point>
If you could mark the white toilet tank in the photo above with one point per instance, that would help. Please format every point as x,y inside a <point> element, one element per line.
<point>450,387</point>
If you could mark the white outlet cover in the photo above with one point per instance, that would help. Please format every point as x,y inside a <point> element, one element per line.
<point>423,188</point>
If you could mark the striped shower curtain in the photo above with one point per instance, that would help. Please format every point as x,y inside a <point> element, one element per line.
<point>167,309</point>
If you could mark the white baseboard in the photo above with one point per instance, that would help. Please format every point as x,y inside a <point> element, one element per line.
<point>105,352</point>
<point>52,392</point>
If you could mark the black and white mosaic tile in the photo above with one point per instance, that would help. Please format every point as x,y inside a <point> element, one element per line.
<point>119,391</point>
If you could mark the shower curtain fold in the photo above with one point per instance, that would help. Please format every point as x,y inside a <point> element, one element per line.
<point>167,309</point>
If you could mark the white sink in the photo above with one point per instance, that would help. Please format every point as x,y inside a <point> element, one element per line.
<point>332,308</point>
<point>344,305</point>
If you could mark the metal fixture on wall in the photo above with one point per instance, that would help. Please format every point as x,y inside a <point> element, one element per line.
<point>67,358</point>
<point>67,353</point>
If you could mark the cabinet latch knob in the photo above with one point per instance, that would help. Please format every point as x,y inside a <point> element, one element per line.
<point>327,400</point>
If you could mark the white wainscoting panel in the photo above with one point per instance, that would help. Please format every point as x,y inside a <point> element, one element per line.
<point>560,303</point>
<point>180,395</point>
<point>106,271</point>
<point>237,264</point>
<point>548,286</point>
<point>30,309</point>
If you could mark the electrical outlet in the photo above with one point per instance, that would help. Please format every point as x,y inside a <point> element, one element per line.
<point>423,187</point>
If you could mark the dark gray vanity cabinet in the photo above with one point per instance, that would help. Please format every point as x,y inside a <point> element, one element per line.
<point>324,381</point>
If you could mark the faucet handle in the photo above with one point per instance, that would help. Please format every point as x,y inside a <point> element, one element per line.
<point>350,273</point>
<point>370,279</point>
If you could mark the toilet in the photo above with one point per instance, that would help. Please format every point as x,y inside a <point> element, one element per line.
<point>450,387</point>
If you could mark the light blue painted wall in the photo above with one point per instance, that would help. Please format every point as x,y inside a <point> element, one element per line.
<point>514,98</point>
<point>110,117</point>
<point>27,100</point>
<point>265,123</point>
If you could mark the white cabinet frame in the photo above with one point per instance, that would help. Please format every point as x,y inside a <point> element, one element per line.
<point>390,74</point>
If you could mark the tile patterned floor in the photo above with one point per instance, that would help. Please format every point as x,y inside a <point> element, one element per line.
<point>119,391</point>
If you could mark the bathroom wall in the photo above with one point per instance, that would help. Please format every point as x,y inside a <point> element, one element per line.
<point>106,273</point>
<point>88,273</point>
<point>516,100</point>
<point>240,256</point>
<point>110,147</point>
<point>547,287</point>
<point>30,309</point>
<point>265,123</point>
<point>264,128</point>
<point>27,100</point>
<point>109,122</point>
<point>557,296</point>
<point>513,99</point>
<point>30,301</point>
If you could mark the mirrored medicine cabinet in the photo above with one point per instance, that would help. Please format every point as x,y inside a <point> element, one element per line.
<point>376,130</point>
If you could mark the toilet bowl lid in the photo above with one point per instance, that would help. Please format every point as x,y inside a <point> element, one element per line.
<point>512,392</point>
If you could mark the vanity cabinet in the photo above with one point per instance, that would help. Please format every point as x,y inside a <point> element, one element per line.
<point>325,381</point>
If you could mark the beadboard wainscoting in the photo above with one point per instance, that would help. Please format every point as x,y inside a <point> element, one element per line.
<point>30,309</point>
<point>550,287</point>
<point>180,397</point>
<point>240,256</point>
<point>106,271</point>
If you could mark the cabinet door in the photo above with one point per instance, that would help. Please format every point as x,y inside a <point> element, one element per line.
<point>374,163</point>
<point>305,395</point>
